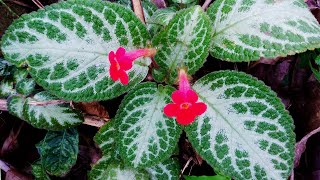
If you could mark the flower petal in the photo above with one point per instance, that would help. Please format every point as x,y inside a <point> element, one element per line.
<point>171,110</point>
<point>114,73</point>
<point>125,63</point>
<point>111,57</point>
<point>124,78</point>
<point>198,108</point>
<point>192,96</point>
<point>178,97</point>
<point>186,117</point>
<point>120,52</point>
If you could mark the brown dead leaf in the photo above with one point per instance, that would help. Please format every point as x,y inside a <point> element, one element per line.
<point>93,108</point>
<point>16,175</point>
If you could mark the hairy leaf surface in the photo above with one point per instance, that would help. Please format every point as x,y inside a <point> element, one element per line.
<point>66,47</point>
<point>58,151</point>
<point>245,133</point>
<point>51,117</point>
<point>183,43</point>
<point>145,135</point>
<point>246,30</point>
<point>168,169</point>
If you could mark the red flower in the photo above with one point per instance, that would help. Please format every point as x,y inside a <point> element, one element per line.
<point>185,106</point>
<point>121,61</point>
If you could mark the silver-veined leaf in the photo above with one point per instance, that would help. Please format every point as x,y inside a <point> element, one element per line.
<point>6,88</point>
<point>51,117</point>
<point>39,172</point>
<point>25,86</point>
<point>246,30</point>
<point>166,170</point>
<point>58,151</point>
<point>145,135</point>
<point>159,20</point>
<point>15,106</point>
<point>184,42</point>
<point>66,47</point>
<point>246,133</point>
<point>115,171</point>
<point>20,74</point>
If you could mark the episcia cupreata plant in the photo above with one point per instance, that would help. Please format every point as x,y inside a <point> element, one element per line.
<point>90,50</point>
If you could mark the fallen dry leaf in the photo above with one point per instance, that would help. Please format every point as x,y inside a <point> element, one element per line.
<point>93,108</point>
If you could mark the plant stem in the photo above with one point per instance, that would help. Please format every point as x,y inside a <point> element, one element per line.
<point>206,4</point>
<point>138,10</point>
<point>8,8</point>
<point>4,166</point>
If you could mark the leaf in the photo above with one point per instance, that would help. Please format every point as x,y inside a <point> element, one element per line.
<point>93,108</point>
<point>6,88</point>
<point>39,172</point>
<point>105,138</point>
<point>145,135</point>
<point>6,68</point>
<point>58,151</point>
<point>25,86</point>
<point>216,177</point>
<point>183,43</point>
<point>20,74</point>
<point>104,171</point>
<point>245,133</point>
<point>51,117</point>
<point>148,9</point>
<point>15,106</point>
<point>245,30</point>
<point>166,170</point>
<point>66,47</point>
<point>159,20</point>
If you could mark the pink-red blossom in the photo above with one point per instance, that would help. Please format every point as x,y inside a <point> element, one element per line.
<point>185,106</point>
<point>121,62</point>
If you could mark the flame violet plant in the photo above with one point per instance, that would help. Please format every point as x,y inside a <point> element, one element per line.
<point>92,50</point>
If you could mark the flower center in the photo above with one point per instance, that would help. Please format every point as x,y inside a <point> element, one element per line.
<point>185,106</point>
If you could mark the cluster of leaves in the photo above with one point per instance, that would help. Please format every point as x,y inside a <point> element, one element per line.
<point>246,133</point>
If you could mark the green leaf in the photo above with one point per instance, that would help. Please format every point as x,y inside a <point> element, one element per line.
<point>103,170</point>
<point>51,117</point>
<point>25,86</point>
<point>148,9</point>
<point>6,68</point>
<point>145,135</point>
<point>246,133</point>
<point>105,138</point>
<point>245,30</point>
<point>166,170</point>
<point>66,47</point>
<point>20,74</point>
<point>6,88</point>
<point>159,20</point>
<point>39,172</point>
<point>58,151</point>
<point>216,177</point>
<point>183,43</point>
<point>15,106</point>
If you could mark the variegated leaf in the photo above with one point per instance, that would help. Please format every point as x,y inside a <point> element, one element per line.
<point>66,47</point>
<point>59,151</point>
<point>183,43</point>
<point>159,20</point>
<point>39,172</point>
<point>246,30</point>
<point>25,86</point>
<point>115,171</point>
<point>15,106</point>
<point>51,117</point>
<point>166,170</point>
<point>6,88</point>
<point>245,133</point>
<point>145,135</point>
<point>20,74</point>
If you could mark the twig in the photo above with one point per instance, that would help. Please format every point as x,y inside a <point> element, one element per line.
<point>8,8</point>
<point>4,166</point>
<point>38,3</point>
<point>185,166</point>
<point>137,8</point>
<point>206,4</point>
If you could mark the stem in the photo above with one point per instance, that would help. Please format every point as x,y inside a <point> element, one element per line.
<point>138,10</point>
<point>8,8</point>
<point>4,166</point>
<point>206,4</point>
